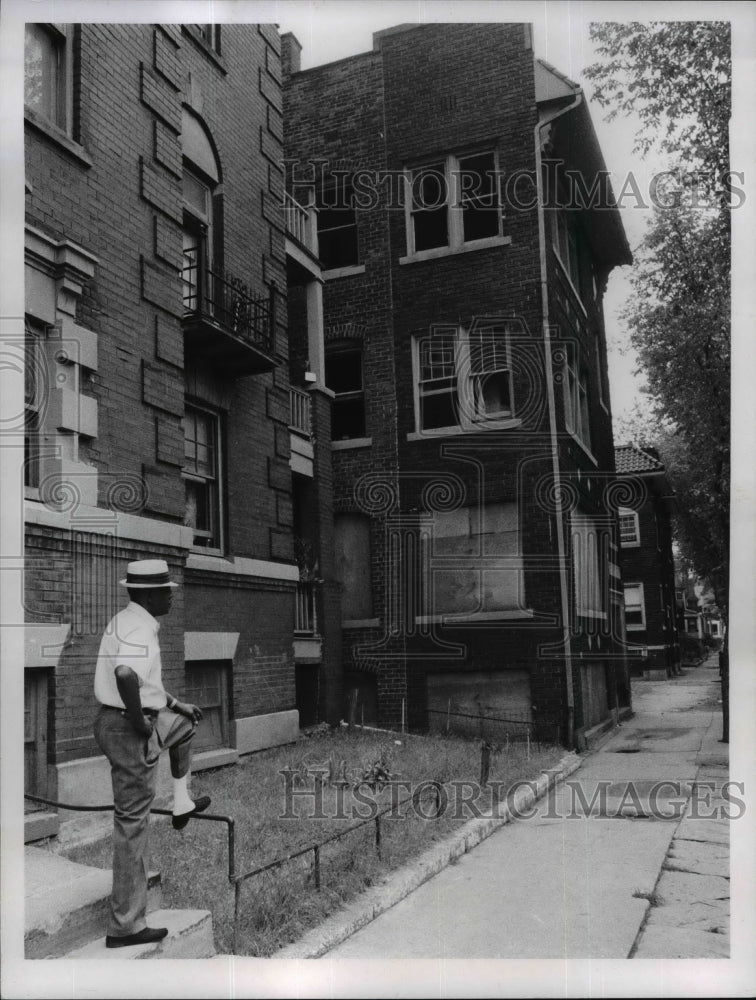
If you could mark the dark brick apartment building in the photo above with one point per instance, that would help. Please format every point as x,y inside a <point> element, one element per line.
<point>160,417</point>
<point>466,232</point>
<point>647,561</point>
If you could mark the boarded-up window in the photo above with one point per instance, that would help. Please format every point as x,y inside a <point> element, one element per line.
<point>353,565</point>
<point>474,563</point>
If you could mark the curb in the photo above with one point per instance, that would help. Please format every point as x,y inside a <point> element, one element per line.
<point>404,880</point>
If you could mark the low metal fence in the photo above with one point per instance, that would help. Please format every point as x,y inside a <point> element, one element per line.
<point>237,878</point>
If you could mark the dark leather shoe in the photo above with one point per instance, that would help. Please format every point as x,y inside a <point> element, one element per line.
<point>148,935</point>
<point>179,822</point>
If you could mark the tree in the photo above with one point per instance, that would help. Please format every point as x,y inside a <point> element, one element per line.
<point>675,77</point>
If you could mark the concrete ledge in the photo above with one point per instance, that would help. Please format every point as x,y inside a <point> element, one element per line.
<point>39,825</point>
<point>405,880</point>
<point>308,650</point>
<point>190,935</point>
<point>258,732</point>
<point>590,737</point>
<point>206,759</point>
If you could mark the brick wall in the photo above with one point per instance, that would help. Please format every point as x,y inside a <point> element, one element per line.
<point>414,99</point>
<point>130,82</point>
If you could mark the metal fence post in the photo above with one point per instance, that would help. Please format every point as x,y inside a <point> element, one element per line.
<point>378,836</point>
<point>485,763</point>
<point>237,914</point>
<point>316,867</point>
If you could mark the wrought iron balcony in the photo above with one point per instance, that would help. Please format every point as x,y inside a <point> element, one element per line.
<point>224,324</point>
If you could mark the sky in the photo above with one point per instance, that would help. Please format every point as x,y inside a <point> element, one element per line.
<point>335,29</point>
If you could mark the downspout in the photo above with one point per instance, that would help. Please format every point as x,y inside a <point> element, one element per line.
<point>563,583</point>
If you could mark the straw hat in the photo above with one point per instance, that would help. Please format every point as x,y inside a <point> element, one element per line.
<point>147,573</point>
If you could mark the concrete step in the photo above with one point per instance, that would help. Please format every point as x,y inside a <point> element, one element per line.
<point>67,903</point>
<point>190,935</point>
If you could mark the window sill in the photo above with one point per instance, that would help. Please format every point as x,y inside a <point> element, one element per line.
<point>58,137</point>
<point>206,550</point>
<point>343,272</point>
<point>476,617</point>
<point>593,615</point>
<point>629,545</point>
<point>436,252</point>
<point>32,493</point>
<point>351,443</point>
<point>635,628</point>
<point>361,623</point>
<point>583,447</point>
<point>482,428</point>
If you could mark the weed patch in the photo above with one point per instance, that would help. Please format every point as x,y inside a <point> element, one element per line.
<point>335,780</point>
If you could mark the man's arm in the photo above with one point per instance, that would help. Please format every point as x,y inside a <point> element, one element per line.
<point>128,687</point>
<point>192,712</point>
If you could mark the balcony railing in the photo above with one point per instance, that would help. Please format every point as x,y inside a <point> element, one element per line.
<point>217,302</point>
<point>301,223</point>
<point>305,617</point>
<point>300,406</point>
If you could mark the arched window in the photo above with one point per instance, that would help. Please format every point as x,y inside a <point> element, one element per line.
<point>202,210</point>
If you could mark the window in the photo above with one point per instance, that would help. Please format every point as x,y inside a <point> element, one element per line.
<point>635,609</point>
<point>34,374</point>
<point>587,561</point>
<point>202,475</point>
<point>453,202</point>
<point>566,245</point>
<point>343,375</point>
<point>576,398</point>
<point>337,227</point>
<point>46,69</point>
<point>464,378</point>
<point>209,34</point>
<point>207,683</point>
<point>464,574</point>
<point>629,528</point>
<point>353,565</point>
<point>197,239</point>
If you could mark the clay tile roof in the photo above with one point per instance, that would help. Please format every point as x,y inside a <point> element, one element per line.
<point>631,458</point>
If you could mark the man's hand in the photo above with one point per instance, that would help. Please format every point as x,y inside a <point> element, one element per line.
<point>143,725</point>
<point>192,712</point>
<point>128,688</point>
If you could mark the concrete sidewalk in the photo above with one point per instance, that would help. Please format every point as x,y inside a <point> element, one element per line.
<point>611,865</point>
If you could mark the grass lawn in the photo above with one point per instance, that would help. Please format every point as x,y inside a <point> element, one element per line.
<point>340,776</point>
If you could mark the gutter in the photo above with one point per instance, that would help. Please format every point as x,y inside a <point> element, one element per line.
<point>563,583</point>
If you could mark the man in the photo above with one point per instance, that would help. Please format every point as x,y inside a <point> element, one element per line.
<point>137,718</point>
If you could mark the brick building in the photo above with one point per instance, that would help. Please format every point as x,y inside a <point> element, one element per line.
<point>159,413</point>
<point>466,232</point>
<point>647,562</point>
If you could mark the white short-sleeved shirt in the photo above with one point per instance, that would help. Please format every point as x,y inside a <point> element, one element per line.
<point>131,640</point>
